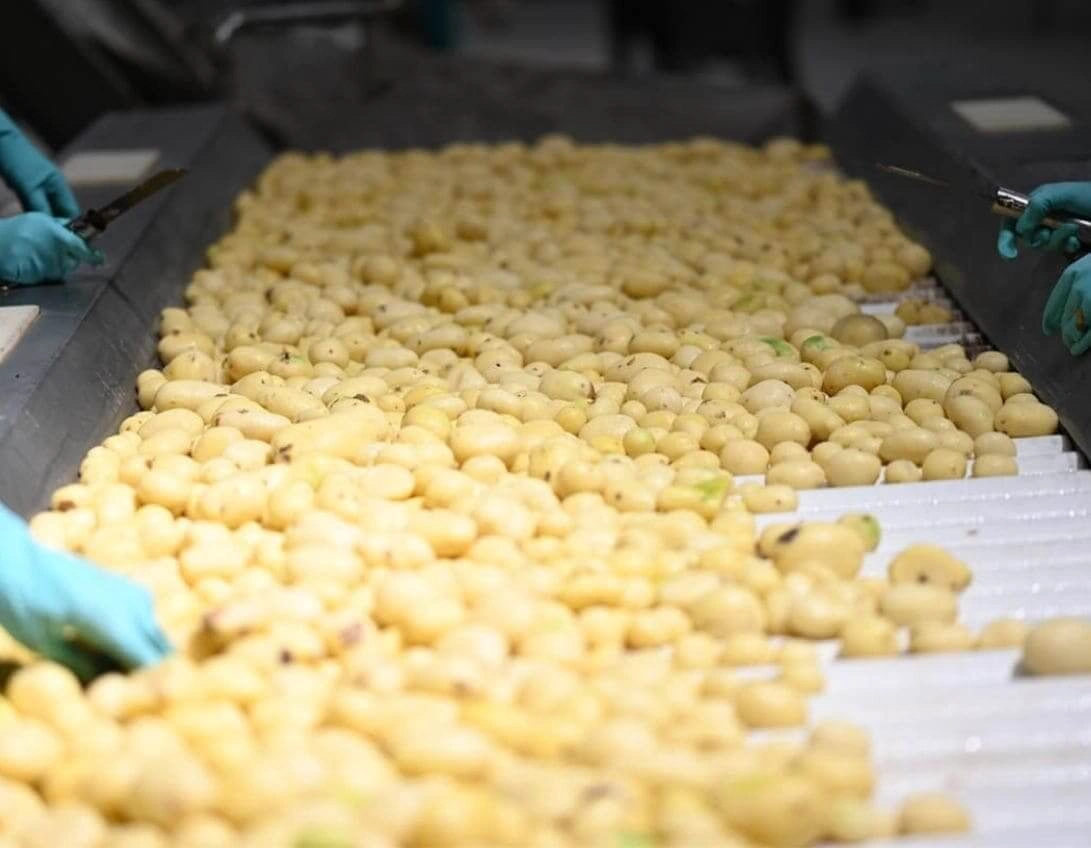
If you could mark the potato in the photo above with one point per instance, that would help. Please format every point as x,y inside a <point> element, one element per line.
<point>1058,646</point>
<point>931,637</point>
<point>1026,419</point>
<point>772,809</point>
<point>994,443</point>
<point>851,467</point>
<point>767,394</point>
<point>974,387</point>
<point>186,394</point>
<point>1003,633</point>
<point>252,423</point>
<point>833,545</point>
<point>995,465</point>
<point>991,360</point>
<point>913,383</point>
<point>434,493</point>
<point>797,473</point>
<point>769,498</point>
<point>853,371</point>
<point>970,414</point>
<point>913,603</point>
<point>1012,384</point>
<point>343,435</point>
<point>884,277</point>
<point>869,636</point>
<point>859,330</point>
<point>944,464</point>
<point>913,445</point>
<point>931,813</point>
<point>779,426</point>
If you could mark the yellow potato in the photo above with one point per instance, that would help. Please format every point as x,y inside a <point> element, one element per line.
<point>343,435</point>
<point>859,330</point>
<point>1058,646</point>
<point>1026,419</point>
<point>931,814</point>
<point>435,495</point>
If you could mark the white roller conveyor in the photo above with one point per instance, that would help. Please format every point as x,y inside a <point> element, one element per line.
<point>1015,750</point>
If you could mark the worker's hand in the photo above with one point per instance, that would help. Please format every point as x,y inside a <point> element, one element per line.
<point>35,247</point>
<point>38,183</point>
<point>1047,200</point>
<point>1069,307</point>
<point>72,611</point>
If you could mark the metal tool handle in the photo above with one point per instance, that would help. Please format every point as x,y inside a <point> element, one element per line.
<point>84,229</point>
<point>1012,204</point>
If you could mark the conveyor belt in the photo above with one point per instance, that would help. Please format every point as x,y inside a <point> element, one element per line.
<point>69,382</point>
<point>907,116</point>
<point>1015,750</point>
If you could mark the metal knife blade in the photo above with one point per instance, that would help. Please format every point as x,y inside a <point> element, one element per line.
<point>899,171</point>
<point>910,174</point>
<point>1005,201</point>
<point>93,222</point>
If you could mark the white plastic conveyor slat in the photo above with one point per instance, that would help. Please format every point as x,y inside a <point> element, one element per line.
<point>1016,750</point>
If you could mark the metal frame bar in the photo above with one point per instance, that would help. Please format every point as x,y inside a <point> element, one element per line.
<point>285,14</point>
<point>69,381</point>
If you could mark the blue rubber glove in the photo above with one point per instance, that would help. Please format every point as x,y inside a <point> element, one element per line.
<point>1069,307</point>
<point>38,183</point>
<point>70,610</point>
<point>35,247</point>
<point>1074,198</point>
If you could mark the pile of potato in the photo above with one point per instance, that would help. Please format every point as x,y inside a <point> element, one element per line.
<point>439,493</point>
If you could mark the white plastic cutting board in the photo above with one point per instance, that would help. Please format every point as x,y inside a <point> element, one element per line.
<point>14,321</point>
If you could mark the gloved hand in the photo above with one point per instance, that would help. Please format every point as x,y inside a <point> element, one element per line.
<point>1074,198</point>
<point>38,183</point>
<point>35,247</point>
<point>1069,307</point>
<point>70,610</point>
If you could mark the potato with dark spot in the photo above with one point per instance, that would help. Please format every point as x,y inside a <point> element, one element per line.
<point>929,564</point>
<point>865,526</point>
<point>836,546</point>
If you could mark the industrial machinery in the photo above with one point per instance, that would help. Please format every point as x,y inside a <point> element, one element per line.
<point>1014,749</point>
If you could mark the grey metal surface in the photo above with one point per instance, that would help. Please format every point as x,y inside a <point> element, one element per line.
<point>904,116</point>
<point>310,96</point>
<point>69,382</point>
